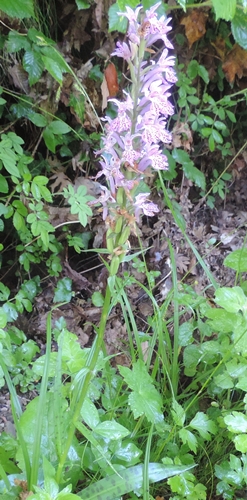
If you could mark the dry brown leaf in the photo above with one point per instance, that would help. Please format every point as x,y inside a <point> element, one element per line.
<point>182,136</point>
<point>19,77</point>
<point>60,181</point>
<point>79,281</point>
<point>194,24</point>
<point>220,47</point>
<point>235,63</point>
<point>182,262</point>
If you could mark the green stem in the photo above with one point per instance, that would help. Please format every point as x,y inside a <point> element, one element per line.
<point>91,364</point>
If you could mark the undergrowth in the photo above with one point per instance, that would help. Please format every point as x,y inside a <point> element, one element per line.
<point>172,422</point>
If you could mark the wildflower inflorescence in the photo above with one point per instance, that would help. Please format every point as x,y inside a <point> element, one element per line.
<point>132,143</point>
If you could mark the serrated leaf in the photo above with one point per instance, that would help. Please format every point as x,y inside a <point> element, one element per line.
<point>203,425</point>
<point>16,42</point>
<point>194,174</point>
<point>129,480</point>
<point>145,399</point>
<point>188,438</point>
<point>178,413</point>
<point>116,22</point>
<point>239,28</point>
<point>18,8</point>
<point>224,9</point>
<point>33,64</point>
<point>236,422</point>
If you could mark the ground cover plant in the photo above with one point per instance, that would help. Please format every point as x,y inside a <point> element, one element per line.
<point>143,396</point>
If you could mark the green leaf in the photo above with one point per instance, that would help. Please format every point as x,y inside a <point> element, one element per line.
<point>98,299</point>
<point>182,4</point>
<point>3,318</point>
<point>59,127</point>
<point>211,143</point>
<point>4,187</point>
<point>49,139</point>
<point>82,4</point>
<point>194,174</point>
<point>239,28</point>
<point>188,438</point>
<point>236,422</point>
<point>185,334</point>
<point>33,64</point>
<point>222,320</point>
<point>237,260</point>
<point>240,442</point>
<point>16,42</point>
<point>4,293</point>
<point>37,119</point>
<point>203,425</point>
<point>111,430</point>
<point>63,292</point>
<point>90,413</point>
<point>224,9</point>
<point>18,8</point>
<point>129,480</point>
<point>145,399</point>
<point>217,136</point>
<point>203,73</point>
<point>53,68</point>
<point>178,413</point>
<point>116,22</point>
<point>231,299</point>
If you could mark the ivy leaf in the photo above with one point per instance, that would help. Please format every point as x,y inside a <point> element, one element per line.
<point>144,398</point>
<point>203,425</point>
<point>224,9</point>
<point>18,8</point>
<point>63,292</point>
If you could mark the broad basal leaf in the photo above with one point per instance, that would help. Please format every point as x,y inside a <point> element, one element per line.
<point>239,28</point>
<point>129,480</point>
<point>18,8</point>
